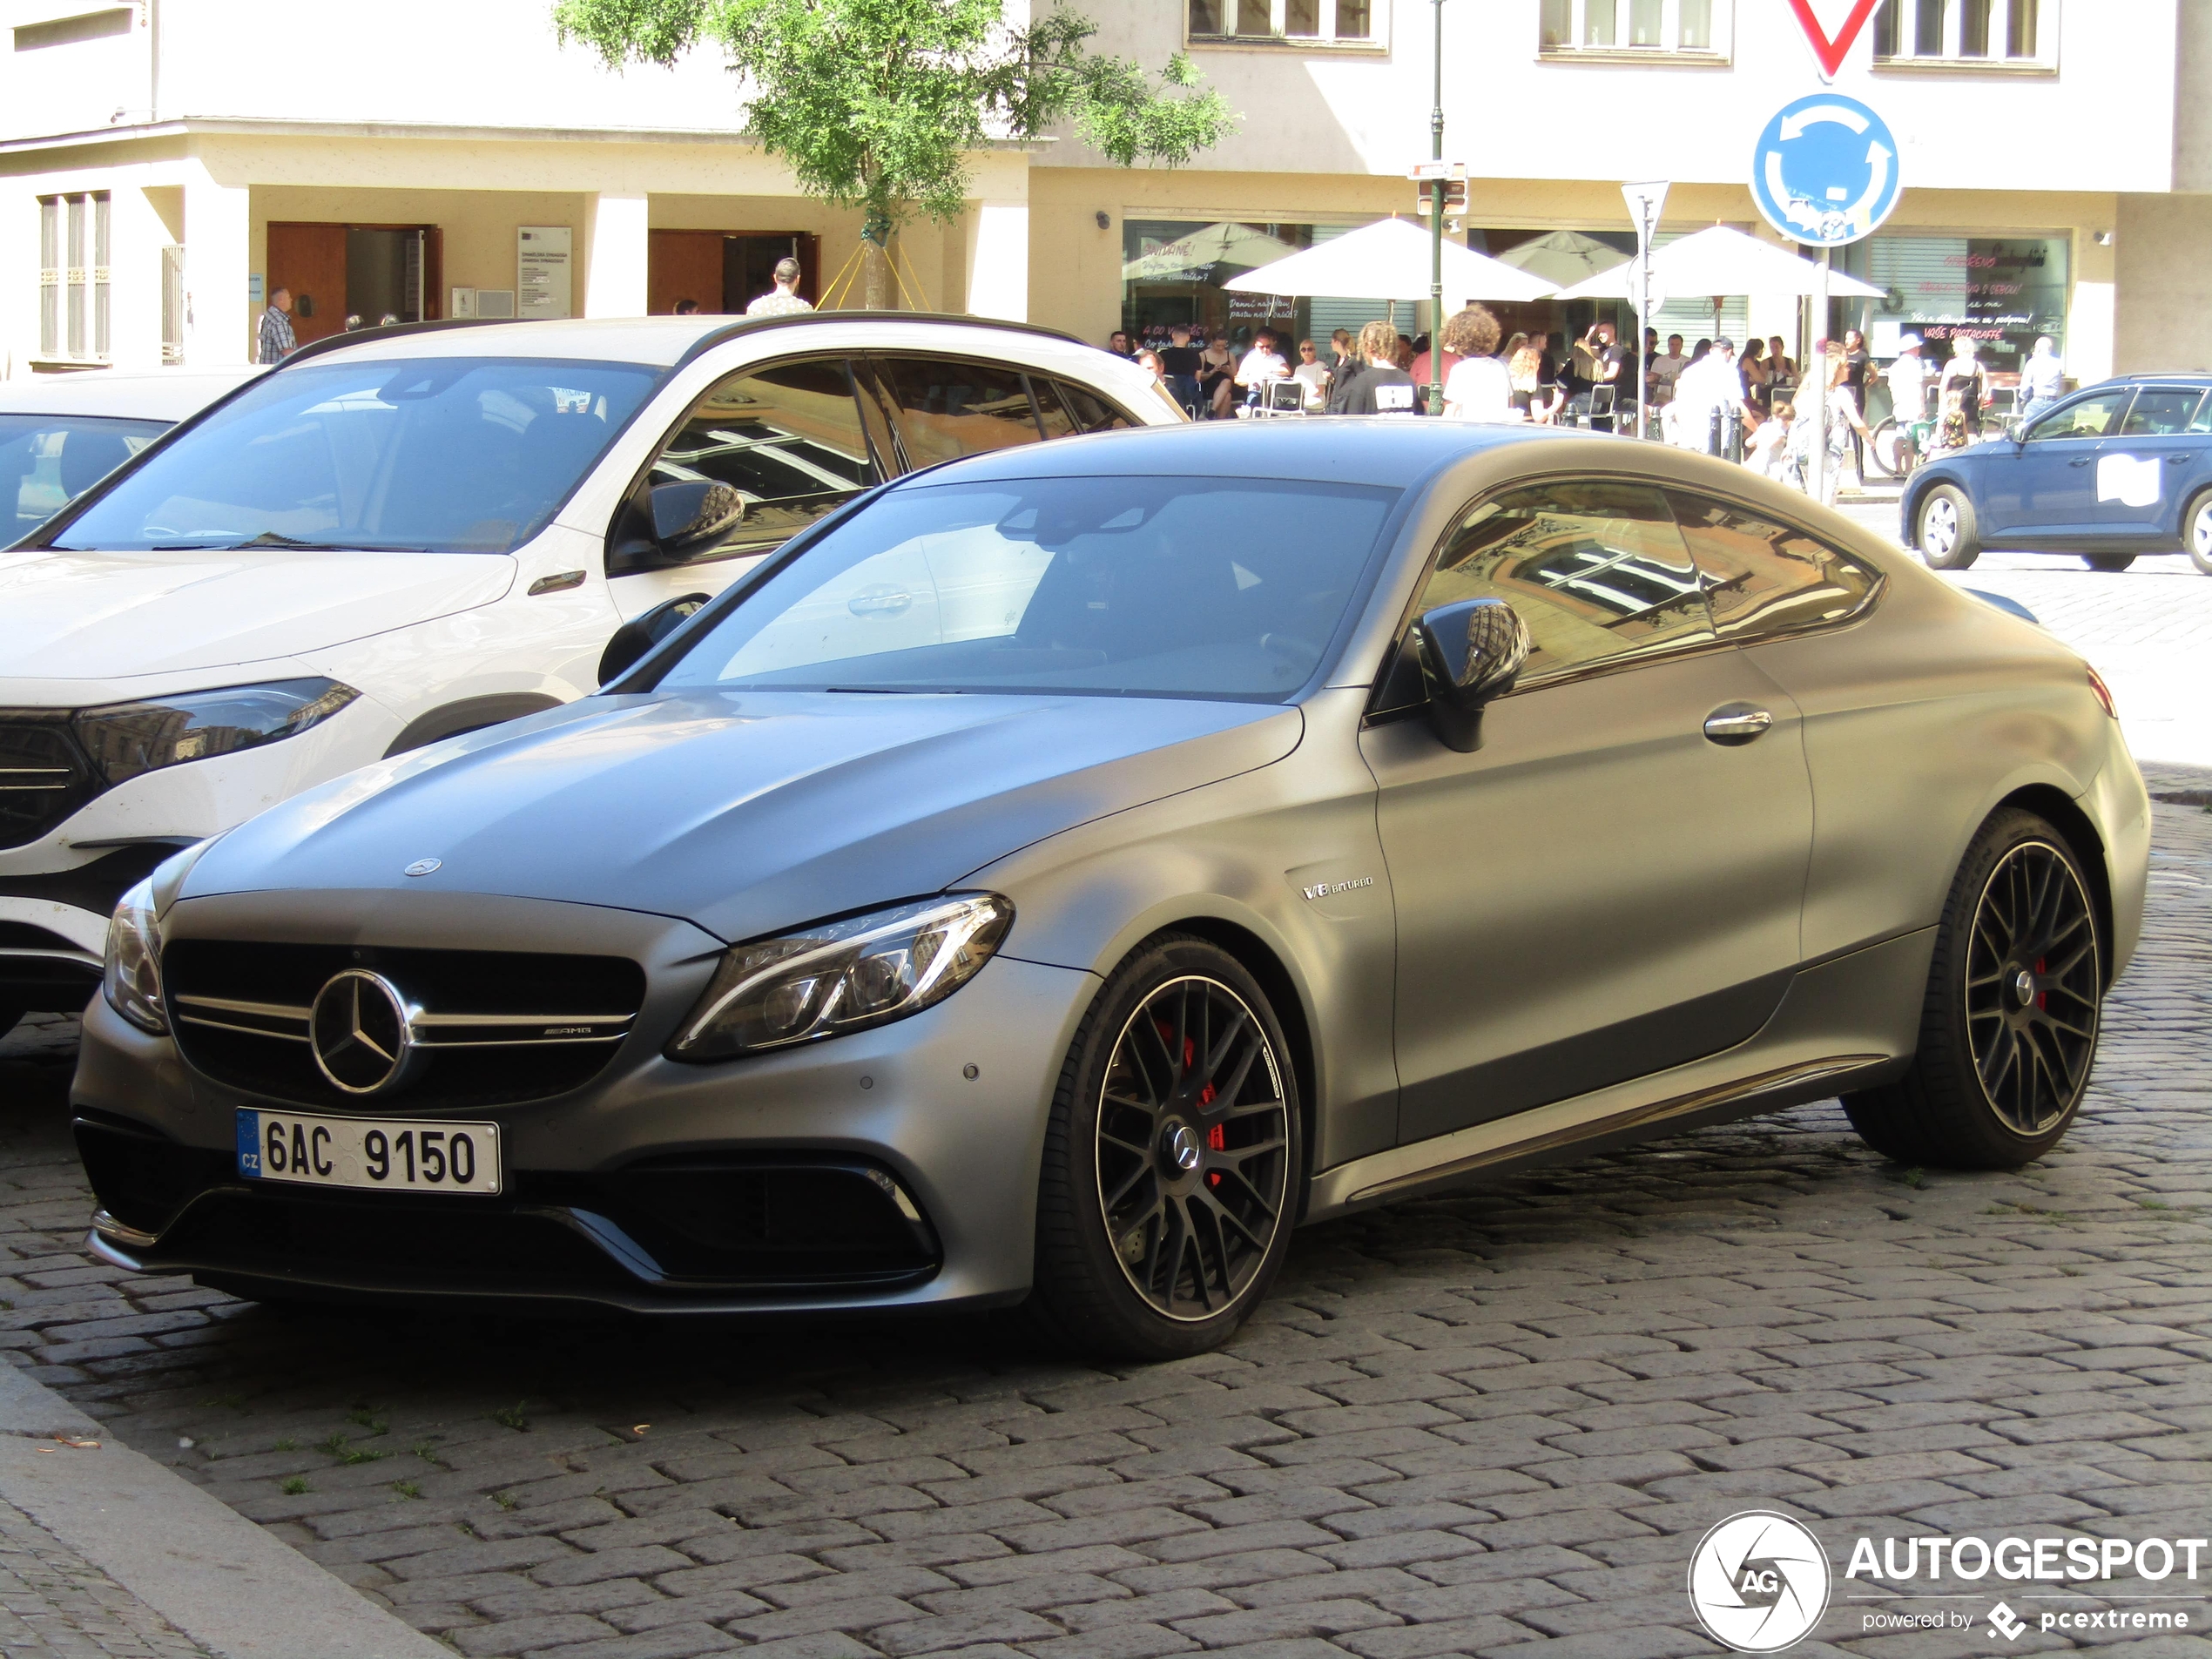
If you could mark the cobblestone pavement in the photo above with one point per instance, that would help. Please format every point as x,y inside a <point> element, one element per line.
<point>1499,1419</point>
<point>55,1605</point>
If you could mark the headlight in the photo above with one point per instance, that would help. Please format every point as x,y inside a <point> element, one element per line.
<point>127,738</point>
<point>842,976</point>
<point>131,976</point>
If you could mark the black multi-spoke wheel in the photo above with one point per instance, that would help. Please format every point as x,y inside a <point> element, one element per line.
<point>2032,988</point>
<point>1193,1148</point>
<point>2008,1028</point>
<point>1172,1163</point>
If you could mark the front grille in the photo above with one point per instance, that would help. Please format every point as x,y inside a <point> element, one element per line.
<point>667,1227</point>
<point>44,775</point>
<point>494,1027</point>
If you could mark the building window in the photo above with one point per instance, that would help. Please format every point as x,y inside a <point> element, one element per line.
<point>73,239</point>
<point>1571,28</point>
<point>1294,23</point>
<point>2009,32</point>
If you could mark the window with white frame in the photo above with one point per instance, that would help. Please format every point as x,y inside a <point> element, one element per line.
<point>2014,33</point>
<point>1295,23</point>
<point>73,233</point>
<point>1691,28</point>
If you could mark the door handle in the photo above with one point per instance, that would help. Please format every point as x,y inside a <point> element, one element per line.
<point>2181,460</point>
<point>2079,461</point>
<point>1736,722</point>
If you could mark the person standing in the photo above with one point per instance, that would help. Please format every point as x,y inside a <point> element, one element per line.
<point>784,301</point>
<point>1380,387</point>
<point>277,340</point>
<point>1117,342</point>
<point>1908,379</point>
<point>1965,387</point>
<point>1666,369</point>
<point>1179,362</point>
<point>1709,391</point>
<point>1482,387</point>
<point>2043,381</point>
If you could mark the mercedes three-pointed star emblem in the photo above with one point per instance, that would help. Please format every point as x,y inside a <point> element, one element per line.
<point>360,1031</point>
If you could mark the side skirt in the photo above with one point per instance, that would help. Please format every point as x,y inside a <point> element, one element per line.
<point>1845,1024</point>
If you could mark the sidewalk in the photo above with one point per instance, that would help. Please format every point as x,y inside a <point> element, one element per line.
<point>104,1552</point>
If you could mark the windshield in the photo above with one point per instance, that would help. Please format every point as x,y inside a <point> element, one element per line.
<point>440,455</point>
<point>47,461</point>
<point>1163,587</point>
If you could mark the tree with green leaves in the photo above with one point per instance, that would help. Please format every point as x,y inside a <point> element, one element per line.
<point>877,103</point>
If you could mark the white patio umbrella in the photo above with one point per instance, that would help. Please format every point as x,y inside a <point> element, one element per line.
<point>1720,261</point>
<point>1389,260</point>
<point>1188,258</point>
<point>1563,257</point>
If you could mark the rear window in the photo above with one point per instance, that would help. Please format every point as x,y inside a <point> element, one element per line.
<point>441,454</point>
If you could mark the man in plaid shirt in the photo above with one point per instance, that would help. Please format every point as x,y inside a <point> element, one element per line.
<point>276,340</point>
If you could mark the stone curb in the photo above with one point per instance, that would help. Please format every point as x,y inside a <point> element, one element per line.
<point>213,1574</point>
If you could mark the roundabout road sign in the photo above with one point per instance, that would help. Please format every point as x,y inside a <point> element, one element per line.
<point>1824,171</point>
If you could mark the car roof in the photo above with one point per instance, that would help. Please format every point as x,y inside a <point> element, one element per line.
<point>661,340</point>
<point>167,394</point>
<point>1360,449</point>
<point>2179,377</point>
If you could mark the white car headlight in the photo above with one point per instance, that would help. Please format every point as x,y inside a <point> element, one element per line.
<point>840,976</point>
<point>127,738</point>
<point>131,976</point>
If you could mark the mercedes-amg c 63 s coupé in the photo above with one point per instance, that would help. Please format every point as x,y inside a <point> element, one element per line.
<point>1059,873</point>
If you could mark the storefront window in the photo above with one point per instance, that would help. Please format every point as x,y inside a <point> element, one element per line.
<point>1173,270</point>
<point>2002,291</point>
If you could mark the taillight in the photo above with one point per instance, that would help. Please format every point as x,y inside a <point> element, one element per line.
<point>2103,691</point>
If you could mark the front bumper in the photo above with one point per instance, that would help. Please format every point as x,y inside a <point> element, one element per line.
<point>867,1171</point>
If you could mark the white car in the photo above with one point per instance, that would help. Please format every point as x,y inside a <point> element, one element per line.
<point>62,433</point>
<point>391,540</point>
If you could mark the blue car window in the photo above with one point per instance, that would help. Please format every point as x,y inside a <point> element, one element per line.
<point>2201,421</point>
<point>2160,411</point>
<point>2088,417</point>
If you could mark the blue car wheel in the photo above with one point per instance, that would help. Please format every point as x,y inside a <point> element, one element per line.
<point>1945,531</point>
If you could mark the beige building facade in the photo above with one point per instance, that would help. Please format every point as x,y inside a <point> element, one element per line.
<point>164,164</point>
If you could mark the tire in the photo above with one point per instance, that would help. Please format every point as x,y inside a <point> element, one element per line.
<point>1944,528</point>
<point>2010,1020</point>
<point>9,1014</point>
<point>1890,447</point>
<point>1169,1186</point>
<point>2111,563</point>
<point>2197,531</point>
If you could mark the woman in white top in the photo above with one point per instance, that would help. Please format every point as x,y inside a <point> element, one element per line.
<point>1480,388</point>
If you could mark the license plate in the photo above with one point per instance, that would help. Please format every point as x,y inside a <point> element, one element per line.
<point>374,1154</point>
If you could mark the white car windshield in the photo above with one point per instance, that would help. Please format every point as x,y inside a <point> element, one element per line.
<point>440,454</point>
<point>1162,587</point>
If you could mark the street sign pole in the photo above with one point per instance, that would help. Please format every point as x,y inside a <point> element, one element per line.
<point>1436,188</point>
<point>1645,201</point>
<point>1820,393</point>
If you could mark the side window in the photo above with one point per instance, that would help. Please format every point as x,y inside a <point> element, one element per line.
<point>1596,569</point>
<point>1763,578</point>
<point>47,462</point>
<point>2090,417</point>
<point>2160,412</point>
<point>948,407</point>
<point>788,439</point>
<point>1055,414</point>
<point>1092,412</point>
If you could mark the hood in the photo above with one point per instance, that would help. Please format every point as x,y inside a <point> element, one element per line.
<point>744,813</point>
<point>112,616</point>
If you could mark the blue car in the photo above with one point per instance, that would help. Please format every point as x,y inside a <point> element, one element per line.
<point>2116,469</point>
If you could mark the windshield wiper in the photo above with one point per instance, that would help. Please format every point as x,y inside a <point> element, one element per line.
<point>898,690</point>
<point>271,538</point>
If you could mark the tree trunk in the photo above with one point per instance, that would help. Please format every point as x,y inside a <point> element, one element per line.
<point>877,287</point>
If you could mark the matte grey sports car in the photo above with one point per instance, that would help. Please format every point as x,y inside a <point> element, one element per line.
<point>1062,872</point>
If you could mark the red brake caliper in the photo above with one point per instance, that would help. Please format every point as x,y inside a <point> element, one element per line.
<point>2042,998</point>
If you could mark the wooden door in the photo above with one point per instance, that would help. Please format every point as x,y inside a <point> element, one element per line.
<point>310,260</point>
<point>682,265</point>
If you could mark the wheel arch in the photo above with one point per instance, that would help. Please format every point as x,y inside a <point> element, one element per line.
<point>468,714</point>
<point>1259,959</point>
<point>2058,809</point>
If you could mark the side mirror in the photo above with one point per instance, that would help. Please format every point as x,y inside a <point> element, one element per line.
<point>691,516</point>
<point>641,633</point>
<point>1470,653</point>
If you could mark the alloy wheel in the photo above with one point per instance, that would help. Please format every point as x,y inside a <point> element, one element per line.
<point>1939,528</point>
<point>2201,532</point>
<point>1193,1163</point>
<point>2033,988</point>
